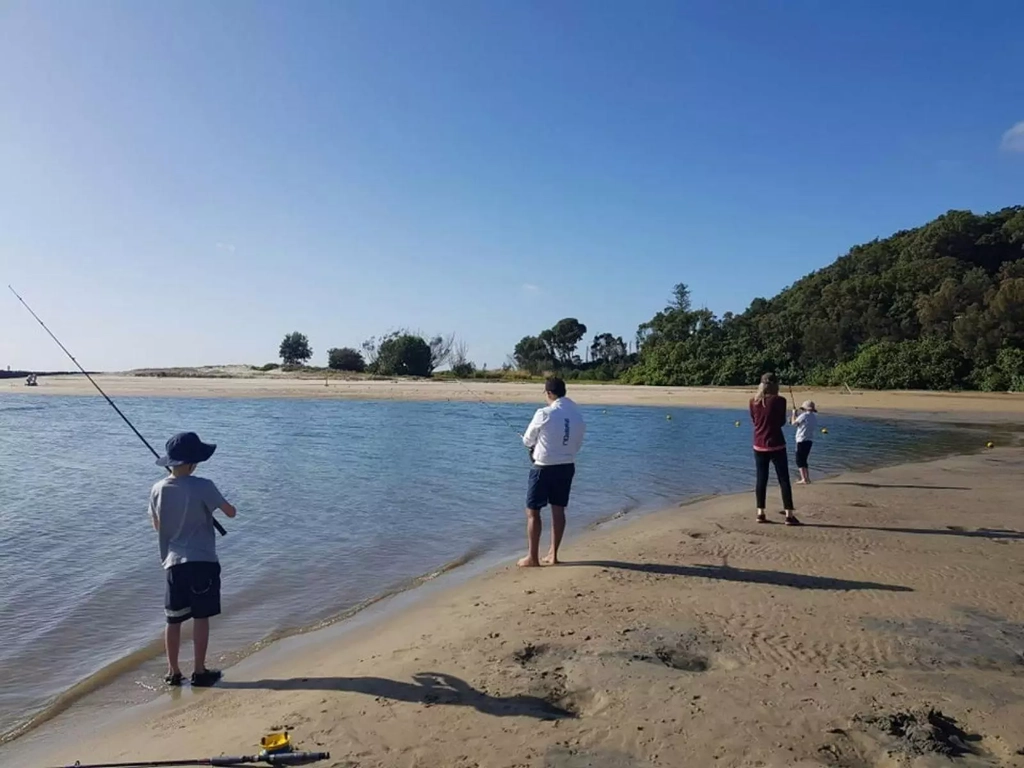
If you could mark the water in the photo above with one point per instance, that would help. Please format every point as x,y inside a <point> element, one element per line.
<point>338,501</point>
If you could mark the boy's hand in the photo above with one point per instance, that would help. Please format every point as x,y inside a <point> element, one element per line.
<point>228,509</point>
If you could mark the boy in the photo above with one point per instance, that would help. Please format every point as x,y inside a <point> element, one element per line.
<point>806,423</point>
<point>181,507</point>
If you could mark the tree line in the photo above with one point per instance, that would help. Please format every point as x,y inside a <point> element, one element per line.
<point>936,307</point>
<point>397,353</point>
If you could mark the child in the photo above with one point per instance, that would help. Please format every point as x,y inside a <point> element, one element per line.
<point>806,423</point>
<point>181,507</point>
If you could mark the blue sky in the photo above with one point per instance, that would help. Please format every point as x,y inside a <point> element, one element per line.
<point>183,183</point>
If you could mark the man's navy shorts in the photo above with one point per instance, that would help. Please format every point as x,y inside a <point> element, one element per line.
<point>550,485</point>
<point>193,592</point>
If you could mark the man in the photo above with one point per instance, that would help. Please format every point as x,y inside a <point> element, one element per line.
<point>554,437</point>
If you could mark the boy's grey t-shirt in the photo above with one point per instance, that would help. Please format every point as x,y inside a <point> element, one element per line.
<point>184,507</point>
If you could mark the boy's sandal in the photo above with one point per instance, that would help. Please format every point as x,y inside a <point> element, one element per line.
<point>205,678</point>
<point>174,679</point>
<point>792,520</point>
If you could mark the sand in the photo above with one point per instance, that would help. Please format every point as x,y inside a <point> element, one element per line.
<point>690,637</point>
<point>937,406</point>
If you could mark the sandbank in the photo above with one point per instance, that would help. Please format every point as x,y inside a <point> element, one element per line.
<point>691,636</point>
<point>980,407</point>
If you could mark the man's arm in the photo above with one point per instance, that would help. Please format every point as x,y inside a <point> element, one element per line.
<point>532,432</point>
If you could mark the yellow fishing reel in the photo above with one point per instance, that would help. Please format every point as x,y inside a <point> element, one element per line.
<point>275,743</point>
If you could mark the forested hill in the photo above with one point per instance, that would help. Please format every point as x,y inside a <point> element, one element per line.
<point>937,307</point>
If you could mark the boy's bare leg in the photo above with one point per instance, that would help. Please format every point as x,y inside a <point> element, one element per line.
<point>172,643</point>
<point>805,476</point>
<point>200,642</point>
<point>533,530</point>
<point>557,531</point>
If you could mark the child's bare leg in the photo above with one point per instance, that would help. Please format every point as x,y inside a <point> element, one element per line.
<point>805,475</point>
<point>200,642</point>
<point>172,643</point>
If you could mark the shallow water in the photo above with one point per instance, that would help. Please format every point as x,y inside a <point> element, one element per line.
<point>339,501</point>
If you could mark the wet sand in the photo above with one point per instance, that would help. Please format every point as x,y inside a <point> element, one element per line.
<point>981,407</point>
<point>693,636</point>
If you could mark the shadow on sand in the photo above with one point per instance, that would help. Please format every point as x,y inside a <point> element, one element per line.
<point>432,688</point>
<point>727,573</point>
<point>912,487</point>
<point>978,533</point>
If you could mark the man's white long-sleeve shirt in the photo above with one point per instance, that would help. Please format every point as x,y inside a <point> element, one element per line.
<point>555,433</point>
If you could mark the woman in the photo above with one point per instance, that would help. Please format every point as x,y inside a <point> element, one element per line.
<point>768,413</point>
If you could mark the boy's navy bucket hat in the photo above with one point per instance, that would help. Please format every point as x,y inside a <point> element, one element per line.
<point>186,448</point>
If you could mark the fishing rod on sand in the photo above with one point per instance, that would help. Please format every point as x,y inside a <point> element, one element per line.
<point>138,434</point>
<point>286,758</point>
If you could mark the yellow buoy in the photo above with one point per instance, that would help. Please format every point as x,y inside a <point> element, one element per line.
<point>824,431</point>
<point>737,423</point>
<point>990,444</point>
<point>668,416</point>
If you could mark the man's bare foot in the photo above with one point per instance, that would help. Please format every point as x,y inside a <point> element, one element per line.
<point>801,482</point>
<point>528,562</point>
<point>549,560</point>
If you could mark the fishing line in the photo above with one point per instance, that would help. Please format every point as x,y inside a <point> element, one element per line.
<point>480,400</point>
<point>92,381</point>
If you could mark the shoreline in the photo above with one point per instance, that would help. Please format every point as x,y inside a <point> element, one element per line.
<point>945,407</point>
<point>705,516</point>
<point>116,674</point>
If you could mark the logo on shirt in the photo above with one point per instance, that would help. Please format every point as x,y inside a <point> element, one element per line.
<point>565,437</point>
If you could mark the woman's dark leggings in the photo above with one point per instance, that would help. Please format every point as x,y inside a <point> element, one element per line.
<point>778,458</point>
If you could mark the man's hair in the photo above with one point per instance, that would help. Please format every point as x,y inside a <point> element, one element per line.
<point>555,386</point>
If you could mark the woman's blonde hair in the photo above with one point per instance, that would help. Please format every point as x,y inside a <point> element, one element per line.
<point>769,386</point>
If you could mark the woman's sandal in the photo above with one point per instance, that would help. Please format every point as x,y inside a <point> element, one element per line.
<point>761,517</point>
<point>205,678</point>
<point>174,680</point>
<point>792,520</point>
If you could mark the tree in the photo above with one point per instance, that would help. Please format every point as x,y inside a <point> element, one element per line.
<point>404,355</point>
<point>459,361</point>
<point>680,297</point>
<point>608,349</point>
<point>561,340</point>
<point>345,359</point>
<point>533,355</point>
<point>441,350</point>
<point>295,349</point>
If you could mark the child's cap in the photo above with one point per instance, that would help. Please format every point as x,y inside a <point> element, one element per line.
<point>808,406</point>
<point>186,448</point>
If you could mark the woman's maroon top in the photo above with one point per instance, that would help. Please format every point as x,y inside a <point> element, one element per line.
<point>769,417</point>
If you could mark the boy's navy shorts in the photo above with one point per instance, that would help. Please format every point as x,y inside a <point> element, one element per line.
<point>803,450</point>
<point>193,592</point>
<point>550,485</point>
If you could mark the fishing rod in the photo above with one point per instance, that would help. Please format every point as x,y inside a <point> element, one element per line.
<point>92,381</point>
<point>264,758</point>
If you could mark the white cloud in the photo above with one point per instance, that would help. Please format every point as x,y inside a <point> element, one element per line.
<point>531,288</point>
<point>1013,139</point>
<point>226,247</point>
